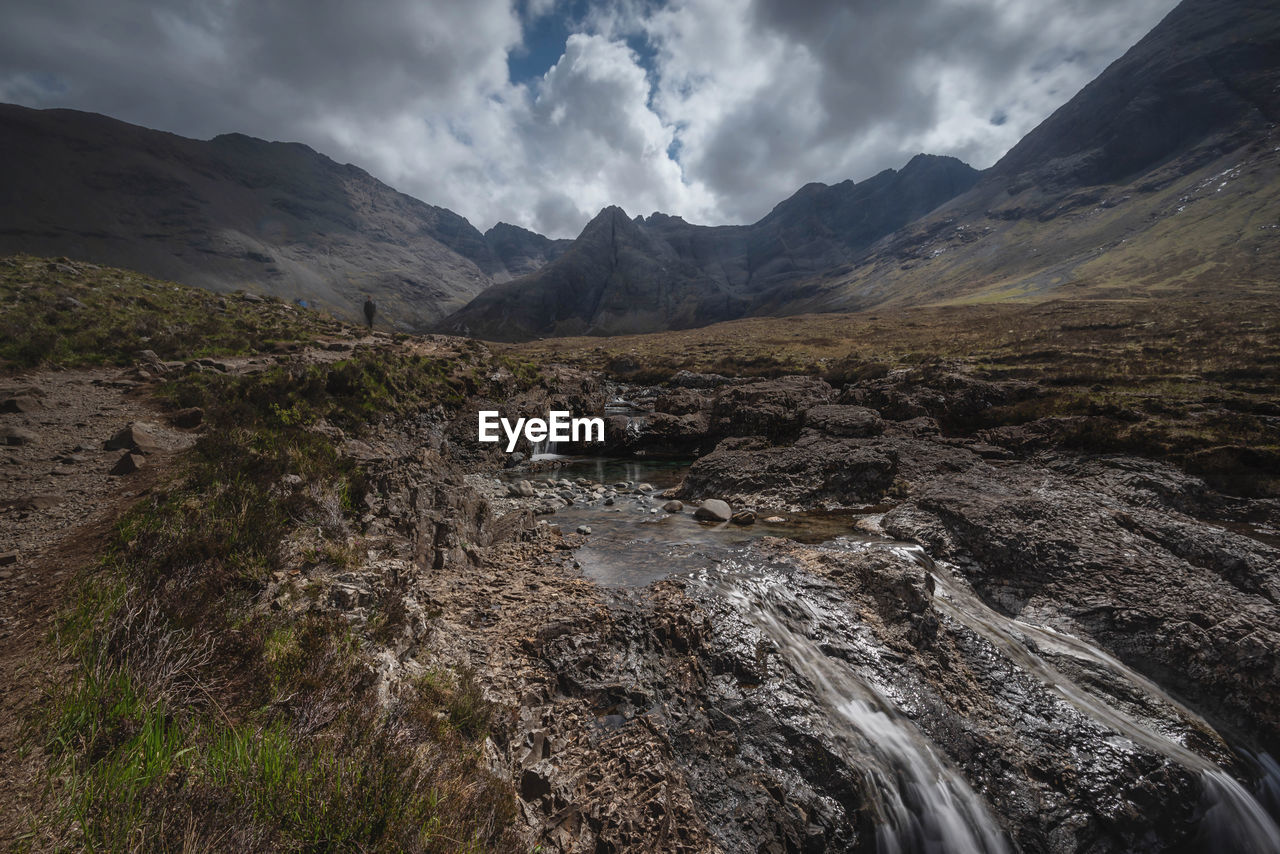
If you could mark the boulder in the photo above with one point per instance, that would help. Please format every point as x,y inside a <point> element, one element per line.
<point>844,421</point>
<point>743,517</point>
<point>17,436</point>
<point>773,409</point>
<point>138,437</point>
<point>713,510</point>
<point>815,469</point>
<point>673,506</point>
<point>21,404</point>
<point>128,464</point>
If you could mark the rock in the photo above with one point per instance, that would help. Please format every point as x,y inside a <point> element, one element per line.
<point>673,506</point>
<point>523,489</point>
<point>566,495</point>
<point>844,420</point>
<point>17,436</point>
<point>34,502</point>
<point>774,520</point>
<point>608,502</point>
<point>584,529</point>
<point>128,464</point>
<point>138,436</point>
<point>21,404</point>
<point>187,418</point>
<point>644,488</point>
<point>291,480</point>
<point>743,517</point>
<point>713,510</point>
<point>773,408</point>
<point>149,357</point>
<point>248,297</point>
<point>8,558</point>
<point>515,458</point>
<point>816,468</point>
<point>689,379</point>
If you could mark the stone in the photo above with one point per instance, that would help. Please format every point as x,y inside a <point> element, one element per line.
<point>844,420</point>
<point>8,558</point>
<point>17,436</point>
<point>35,502</point>
<point>136,437</point>
<point>187,418</point>
<point>523,489</point>
<point>584,529</point>
<point>128,464</point>
<point>643,488</point>
<point>743,517</point>
<point>713,510</point>
<point>673,506</point>
<point>21,404</point>
<point>774,520</point>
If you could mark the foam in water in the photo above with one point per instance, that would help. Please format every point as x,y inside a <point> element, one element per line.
<point>924,805</point>
<point>1233,820</point>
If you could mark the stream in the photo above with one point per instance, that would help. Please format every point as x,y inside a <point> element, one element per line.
<point>921,800</point>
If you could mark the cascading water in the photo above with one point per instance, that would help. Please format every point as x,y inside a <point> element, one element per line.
<point>1233,820</point>
<point>922,803</point>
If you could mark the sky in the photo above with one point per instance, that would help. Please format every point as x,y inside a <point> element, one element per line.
<point>541,112</point>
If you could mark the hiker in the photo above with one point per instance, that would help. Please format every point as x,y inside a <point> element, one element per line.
<point>369,309</point>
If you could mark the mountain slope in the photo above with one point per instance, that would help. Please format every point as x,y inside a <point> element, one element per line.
<point>1160,175</point>
<point>671,274</point>
<point>232,211</point>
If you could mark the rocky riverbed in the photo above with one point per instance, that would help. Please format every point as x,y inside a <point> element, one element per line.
<point>835,625</point>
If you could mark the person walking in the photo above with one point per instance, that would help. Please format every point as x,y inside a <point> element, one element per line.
<point>369,310</point>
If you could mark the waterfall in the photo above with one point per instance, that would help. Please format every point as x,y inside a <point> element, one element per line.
<point>1233,820</point>
<point>922,803</point>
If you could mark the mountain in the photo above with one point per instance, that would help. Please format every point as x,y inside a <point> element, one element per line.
<point>1161,175</point>
<point>660,272</point>
<point>233,212</point>
<point>522,251</point>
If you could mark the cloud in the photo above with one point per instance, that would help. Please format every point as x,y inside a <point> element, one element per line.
<point>711,109</point>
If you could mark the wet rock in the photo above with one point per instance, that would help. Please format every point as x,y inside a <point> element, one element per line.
<point>713,510</point>
<point>523,489</point>
<point>128,464</point>
<point>743,517</point>
<point>1097,545</point>
<point>673,506</point>
<point>584,529</point>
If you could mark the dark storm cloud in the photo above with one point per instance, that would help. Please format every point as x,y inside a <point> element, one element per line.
<point>713,109</point>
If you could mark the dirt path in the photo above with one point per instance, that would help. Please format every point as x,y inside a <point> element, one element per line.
<point>58,501</point>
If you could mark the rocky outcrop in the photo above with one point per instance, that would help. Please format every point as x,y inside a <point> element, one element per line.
<point>1111,550</point>
<point>814,471</point>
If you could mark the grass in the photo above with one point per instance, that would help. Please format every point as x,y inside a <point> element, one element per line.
<point>195,716</point>
<point>56,312</point>
<point>1187,379</point>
